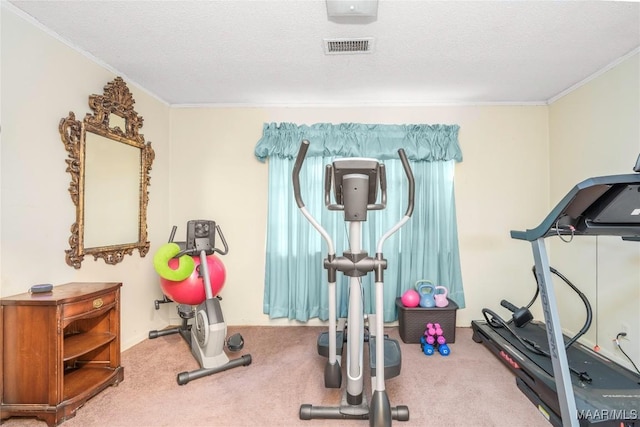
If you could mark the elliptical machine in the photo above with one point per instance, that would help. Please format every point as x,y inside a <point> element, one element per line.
<point>355,185</point>
<point>206,336</point>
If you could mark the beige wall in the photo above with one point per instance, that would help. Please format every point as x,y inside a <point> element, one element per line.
<point>595,131</point>
<point>494,192</point>
<point>42,80</point>
<point>205,168</point>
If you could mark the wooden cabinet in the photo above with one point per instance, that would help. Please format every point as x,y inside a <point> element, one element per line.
<point>58,349</point>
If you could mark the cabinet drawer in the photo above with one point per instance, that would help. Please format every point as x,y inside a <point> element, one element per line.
<point>96,303</point>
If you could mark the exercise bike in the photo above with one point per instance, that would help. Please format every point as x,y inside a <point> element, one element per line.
<point>355,183</point>
<point>189,285</point>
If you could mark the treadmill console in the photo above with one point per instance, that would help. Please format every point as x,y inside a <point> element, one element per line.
<point>606,206</point>
<point>620,207</point>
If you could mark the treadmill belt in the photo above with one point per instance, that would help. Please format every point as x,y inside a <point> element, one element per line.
<point>603,373</point>
<point>611,399</point>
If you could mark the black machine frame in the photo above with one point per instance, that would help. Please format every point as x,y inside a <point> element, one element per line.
<point>607,206</point>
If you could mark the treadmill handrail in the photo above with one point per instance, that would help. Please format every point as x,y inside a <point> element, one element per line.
<point>547,227</point>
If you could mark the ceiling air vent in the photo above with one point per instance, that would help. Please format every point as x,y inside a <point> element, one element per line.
<point>348,46</point>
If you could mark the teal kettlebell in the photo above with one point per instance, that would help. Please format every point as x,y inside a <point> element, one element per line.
<point>427,291</point>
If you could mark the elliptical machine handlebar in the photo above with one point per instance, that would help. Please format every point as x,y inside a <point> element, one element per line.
<point>411,190</point>
<point>302,153</point>
<point>411,181</point>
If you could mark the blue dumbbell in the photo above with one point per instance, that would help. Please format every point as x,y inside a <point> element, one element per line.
<point>443,348</point>
<point>427,348</point>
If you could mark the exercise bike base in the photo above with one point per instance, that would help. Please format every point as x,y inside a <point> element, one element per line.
<point>309,412</point>
<point>184,377</point>
<point>164,332</point>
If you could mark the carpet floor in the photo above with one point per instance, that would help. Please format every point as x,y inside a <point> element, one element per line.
<point>470,387</point>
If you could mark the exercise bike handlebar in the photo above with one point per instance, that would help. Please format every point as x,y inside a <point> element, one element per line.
<point>224,242</point>
<point>197,251</point>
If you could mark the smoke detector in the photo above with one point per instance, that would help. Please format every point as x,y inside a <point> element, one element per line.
<point>348,46</point>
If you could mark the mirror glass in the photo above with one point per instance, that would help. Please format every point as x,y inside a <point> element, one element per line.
<point>111,172</point>
<point>109,163</point>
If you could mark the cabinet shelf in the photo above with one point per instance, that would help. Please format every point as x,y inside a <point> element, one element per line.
<point>77,345</point>
<point>85,380</point>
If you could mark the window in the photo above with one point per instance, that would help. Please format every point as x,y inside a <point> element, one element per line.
<point>425,248</point>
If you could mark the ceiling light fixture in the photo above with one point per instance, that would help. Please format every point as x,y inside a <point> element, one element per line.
<point>352,8</point>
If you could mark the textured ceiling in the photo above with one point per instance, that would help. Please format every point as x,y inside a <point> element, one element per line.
<point>271,52</point>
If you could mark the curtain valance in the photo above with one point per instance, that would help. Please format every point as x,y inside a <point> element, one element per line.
<point>421,142</point>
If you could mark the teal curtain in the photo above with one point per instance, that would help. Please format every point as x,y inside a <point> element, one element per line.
<point>426,248</point>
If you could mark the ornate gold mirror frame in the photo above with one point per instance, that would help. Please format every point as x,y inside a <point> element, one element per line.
<point>115,105</point>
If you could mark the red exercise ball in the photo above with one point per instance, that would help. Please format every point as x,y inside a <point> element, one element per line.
<point>410,298</point>
<point>191,290</point>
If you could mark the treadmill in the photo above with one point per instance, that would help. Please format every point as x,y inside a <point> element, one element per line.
<point>574,386</point>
